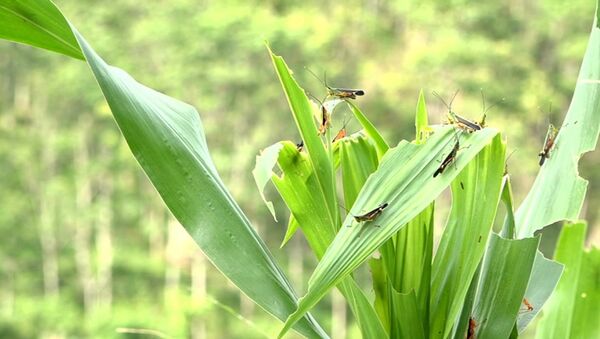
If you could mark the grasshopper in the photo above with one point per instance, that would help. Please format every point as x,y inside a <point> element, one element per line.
<point>371,215</point>
<point>341,93</point>
<point>325,116</point>
<point>341,133</point>
<point>548,143</point>
<point>461,122</point>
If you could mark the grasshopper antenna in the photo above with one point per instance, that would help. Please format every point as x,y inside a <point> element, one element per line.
<point>449,106</point>
<point>346,121</point>
<point>511,153</point>
<point>437,95</point>
<point>344,208</point>
<point>453,97</point>
<point>316,77</point>
<point>486,109</point>
<point>506,161</point>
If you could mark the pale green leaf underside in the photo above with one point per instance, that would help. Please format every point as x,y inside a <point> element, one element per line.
<point>543,280</point>
<point>263,170</point>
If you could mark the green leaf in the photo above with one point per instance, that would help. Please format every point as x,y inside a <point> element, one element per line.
<point>407,319</point>
<point>475,198</point>
<point>291,230</point>
<point>558,192</point>
<point>380,287</point>
<point>502,285</point>
<point>544,275</point>
<point>407,261</point>
<point>358,159</point>
<point>587,298</point>
<point>300,190</point>
<point>421,121</point>
<point>557,320</point>
<point>39,24</point>
<point>405,181</point>
<point>167,139</point>
<point>462,324</point>
<point>508,230</point>
<point>320,159</point>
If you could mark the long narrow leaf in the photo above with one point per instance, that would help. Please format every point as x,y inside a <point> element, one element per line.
<point>380,144</point>
<point>558,192</point>
<point>166,137</point>
<point>475,198</point>
<point>358,159</point>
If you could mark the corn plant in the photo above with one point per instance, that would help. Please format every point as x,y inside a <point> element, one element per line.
<point>476,284</point>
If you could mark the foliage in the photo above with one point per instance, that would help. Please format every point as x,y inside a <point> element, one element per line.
<point>167,139</point>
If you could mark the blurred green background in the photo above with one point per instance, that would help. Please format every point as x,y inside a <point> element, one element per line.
<point>86,246</point>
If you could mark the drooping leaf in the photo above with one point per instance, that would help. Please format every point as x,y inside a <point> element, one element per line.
<point>167,138</point>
